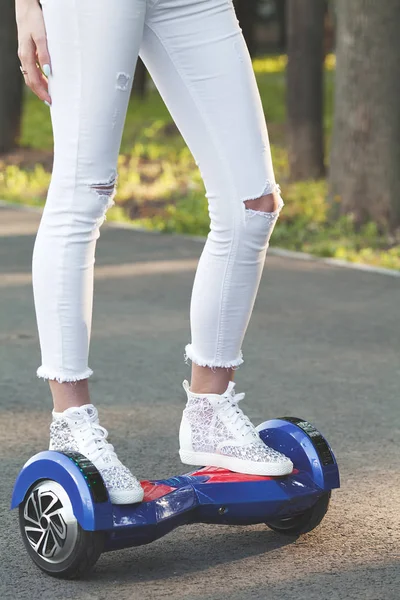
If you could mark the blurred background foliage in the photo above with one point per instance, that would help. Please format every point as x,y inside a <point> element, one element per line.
<point>333,210</point>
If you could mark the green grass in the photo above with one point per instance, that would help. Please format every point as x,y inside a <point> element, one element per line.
<point>160,187</point>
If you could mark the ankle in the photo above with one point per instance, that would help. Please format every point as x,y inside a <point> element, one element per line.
<point>62,413</point>
<point>69,394</point>
<point>203,392</point>
<point>206,390</point>
<point>210,381</point>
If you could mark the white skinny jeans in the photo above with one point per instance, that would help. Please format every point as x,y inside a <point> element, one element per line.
<point>198,59</point>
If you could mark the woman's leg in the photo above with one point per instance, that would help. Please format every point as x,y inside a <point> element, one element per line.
<point>93,48</point>
<point>199,61</point>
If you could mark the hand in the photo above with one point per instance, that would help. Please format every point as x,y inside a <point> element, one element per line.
<point>32,47</point>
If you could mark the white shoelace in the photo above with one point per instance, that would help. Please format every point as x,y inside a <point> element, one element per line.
<point>94,437</point>
<point>229,406</point>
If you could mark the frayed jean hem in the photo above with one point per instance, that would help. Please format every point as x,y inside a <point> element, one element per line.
<point>44,373</point>
<point>212,364</point>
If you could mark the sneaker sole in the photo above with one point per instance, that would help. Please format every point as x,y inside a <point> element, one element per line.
<point>203,459</point>
<point>126,496</point>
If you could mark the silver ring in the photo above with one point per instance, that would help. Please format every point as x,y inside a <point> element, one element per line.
<point>22,70</point>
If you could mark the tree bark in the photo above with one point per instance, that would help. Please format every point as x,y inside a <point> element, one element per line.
<point>365,157</point>
<point>305,38</point>
<point>139,85</point>
<point>281,17</point>
<point>246,12</point>
<point>11,79</point>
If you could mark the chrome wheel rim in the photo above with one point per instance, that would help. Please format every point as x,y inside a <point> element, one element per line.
<point>49,523</point>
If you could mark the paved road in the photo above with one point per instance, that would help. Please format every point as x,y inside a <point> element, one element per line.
<point>323,344</point>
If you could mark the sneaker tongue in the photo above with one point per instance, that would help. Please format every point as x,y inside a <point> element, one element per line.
<point>91,411</point>
<point>230,390</point>
<point>87,411</point>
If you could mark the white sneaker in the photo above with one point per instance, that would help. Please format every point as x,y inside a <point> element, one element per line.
<point>215,432</point>
<point>78,429</point>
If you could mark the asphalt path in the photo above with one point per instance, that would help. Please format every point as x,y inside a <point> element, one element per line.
<point>323,344</point>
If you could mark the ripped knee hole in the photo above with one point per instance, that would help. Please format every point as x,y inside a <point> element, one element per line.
<point>105,192</point>
<point>107,188</point>
<point>269,203</point>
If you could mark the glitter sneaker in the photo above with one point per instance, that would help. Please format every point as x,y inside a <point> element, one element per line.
<point>78,429</point>
<point>215,432</point>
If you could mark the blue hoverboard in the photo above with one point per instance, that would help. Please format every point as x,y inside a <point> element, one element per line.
<point>66,518</point>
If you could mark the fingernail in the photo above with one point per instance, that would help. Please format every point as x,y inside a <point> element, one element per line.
<point>46,103</point>
<point>46,70</point>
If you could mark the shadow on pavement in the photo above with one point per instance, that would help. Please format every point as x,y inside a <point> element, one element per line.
<point>199,552</point>
<point>367,582</point>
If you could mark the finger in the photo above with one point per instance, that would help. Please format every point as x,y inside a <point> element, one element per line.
<point>44,80</point>
<point>45,96</point>
<point>23,57</point>
<point>43,54</point>
<point>36,80</point>
<point>27,57</point>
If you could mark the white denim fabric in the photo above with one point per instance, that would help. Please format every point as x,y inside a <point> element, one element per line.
<point>198,59</point>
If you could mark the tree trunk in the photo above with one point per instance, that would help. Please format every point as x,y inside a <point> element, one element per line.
<point>365,158</point>
<point>281,17</point>
<point>305,29</point>
<point>11,79</point>
<point>246,12</point>
<point>139,85</point>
